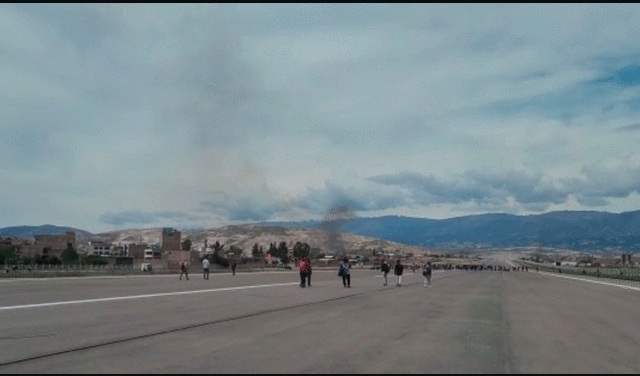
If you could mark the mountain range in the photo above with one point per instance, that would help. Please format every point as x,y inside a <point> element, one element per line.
<point>579,230</point>
<point>28,232</point>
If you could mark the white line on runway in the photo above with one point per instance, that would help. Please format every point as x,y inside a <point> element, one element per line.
<point>592,281</point>
<point>48,279</point>
<point>140,296</point>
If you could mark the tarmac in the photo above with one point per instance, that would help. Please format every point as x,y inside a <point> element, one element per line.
<point>263,322</point>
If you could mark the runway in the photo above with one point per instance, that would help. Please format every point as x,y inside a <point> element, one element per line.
<point>498,322</point>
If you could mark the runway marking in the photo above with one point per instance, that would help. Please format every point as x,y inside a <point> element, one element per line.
<point>511,264</point>
<point>39,305</point>
<point>593,281</point>
<point>173,330</point>
<point>31,279</point>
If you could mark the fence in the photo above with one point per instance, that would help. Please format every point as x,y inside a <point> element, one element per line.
<point>631,273</point>
<point>61,267</point>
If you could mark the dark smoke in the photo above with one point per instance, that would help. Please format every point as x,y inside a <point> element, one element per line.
<point>333,224</point>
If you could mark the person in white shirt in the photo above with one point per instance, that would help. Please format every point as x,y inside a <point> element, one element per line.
<point>205,266</point>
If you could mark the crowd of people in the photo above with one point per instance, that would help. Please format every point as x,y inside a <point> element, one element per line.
<point>303,264</point>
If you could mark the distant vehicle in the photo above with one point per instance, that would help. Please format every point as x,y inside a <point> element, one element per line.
<point>146,267</point>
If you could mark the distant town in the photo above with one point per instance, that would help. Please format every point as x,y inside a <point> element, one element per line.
<point>168,254</point>
<point>172,250</point>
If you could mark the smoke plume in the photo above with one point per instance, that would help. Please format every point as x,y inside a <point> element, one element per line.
<point>333,224</point>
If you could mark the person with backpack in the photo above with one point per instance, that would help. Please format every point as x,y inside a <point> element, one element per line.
<point>385,268</point>
<point>426,273</point>
<point>398,272</point>
<point>345,272</point>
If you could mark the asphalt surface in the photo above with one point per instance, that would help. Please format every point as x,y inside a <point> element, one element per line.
<point>478,322</point>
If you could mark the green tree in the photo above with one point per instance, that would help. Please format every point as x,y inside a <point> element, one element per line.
<point>217,247</point>
<point>70,256</point>
<point>236,251</point>
<point>316,253</point>
<point>216,258</point>
<point>283,252</point>
<point>255,251</point>
<point>9,255</point>
<point>186,244</point>
<point>301,250</point>
<point>273,250</point>
<point>95,260</point>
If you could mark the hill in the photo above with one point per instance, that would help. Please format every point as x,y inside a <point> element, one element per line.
<point>577,230</point>
<point>245,236</point>
<point>584,230</point>
<point>28,232</point>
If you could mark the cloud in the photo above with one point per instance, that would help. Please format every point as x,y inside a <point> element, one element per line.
<point>630,127</point>
<point>611,178</point>
<point>234,112</point>
<point>488,191</point>
<point>356,198</point>
<point>626,76</point>
<point>246,208</point>
<point>263,204</point>
<point>616,178</point>
<point>136,217</point>
<point>492,190</point>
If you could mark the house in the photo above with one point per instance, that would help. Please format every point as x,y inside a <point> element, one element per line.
<point>14,241</point>
<point>99,248</point>
<point>50,245</point>
<point>170,240</point>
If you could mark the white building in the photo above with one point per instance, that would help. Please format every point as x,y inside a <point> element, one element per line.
<point>100,248</point>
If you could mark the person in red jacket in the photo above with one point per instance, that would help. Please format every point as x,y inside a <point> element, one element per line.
<point>304,265</point>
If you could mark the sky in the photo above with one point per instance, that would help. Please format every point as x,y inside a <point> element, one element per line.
<point>199,116</point>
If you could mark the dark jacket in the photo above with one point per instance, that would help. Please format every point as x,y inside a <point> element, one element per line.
<point>397,270</point>
<point>345,268</point>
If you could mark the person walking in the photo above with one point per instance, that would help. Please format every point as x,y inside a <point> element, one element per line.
<point>205,268</point>
<point>183,270</point>
<point>303,277</point>
<point>307,262</point>
<point>426,273</point>
<point>385,268</point>
<point>398,272</point>
<point>233,267</point>
<point>345,272</point>
<point>304,265</point>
